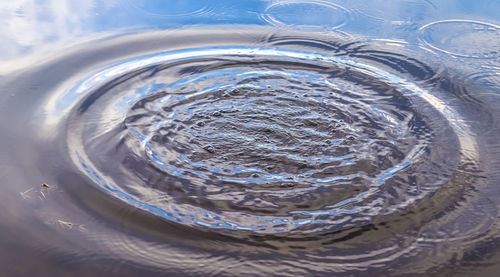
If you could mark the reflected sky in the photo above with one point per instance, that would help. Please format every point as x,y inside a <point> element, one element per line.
<point>28,26</point>
<point>75,73</point>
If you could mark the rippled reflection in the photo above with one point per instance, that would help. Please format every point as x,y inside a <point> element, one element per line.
<point>466,38</point>
<point>342,137</point>
<point>302,145</point>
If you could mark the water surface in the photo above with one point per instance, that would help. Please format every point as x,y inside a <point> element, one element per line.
<point>277,138</point>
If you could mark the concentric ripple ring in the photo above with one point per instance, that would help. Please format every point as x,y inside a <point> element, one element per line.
<point>225,139</point>
<point>462,38</point>
<point>290,13</point>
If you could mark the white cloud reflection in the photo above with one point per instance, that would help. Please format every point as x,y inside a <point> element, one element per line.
<point>26,25</point>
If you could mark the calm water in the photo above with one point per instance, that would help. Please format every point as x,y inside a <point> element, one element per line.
<point>250,138</point>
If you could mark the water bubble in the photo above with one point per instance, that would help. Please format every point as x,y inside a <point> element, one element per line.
<point>217,114</point>
<point>235,91</point>
<point>209,148</point>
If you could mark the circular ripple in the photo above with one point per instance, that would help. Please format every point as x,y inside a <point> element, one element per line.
<point>306,14</point>
<point>404,12</point>
<point>172,8</point>
<point>263,140</point>
<point>305,152</point>
<point>463,38</point>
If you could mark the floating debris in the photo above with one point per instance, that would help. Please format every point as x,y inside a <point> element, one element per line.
<point>64,224</point>
<point>24,194</point>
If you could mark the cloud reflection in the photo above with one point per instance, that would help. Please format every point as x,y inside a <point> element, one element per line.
<point>26,24</point>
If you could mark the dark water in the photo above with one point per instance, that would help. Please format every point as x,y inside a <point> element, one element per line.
<point>263,138</point>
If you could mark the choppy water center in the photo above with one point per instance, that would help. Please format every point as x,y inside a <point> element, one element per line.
<point>244,150</point>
